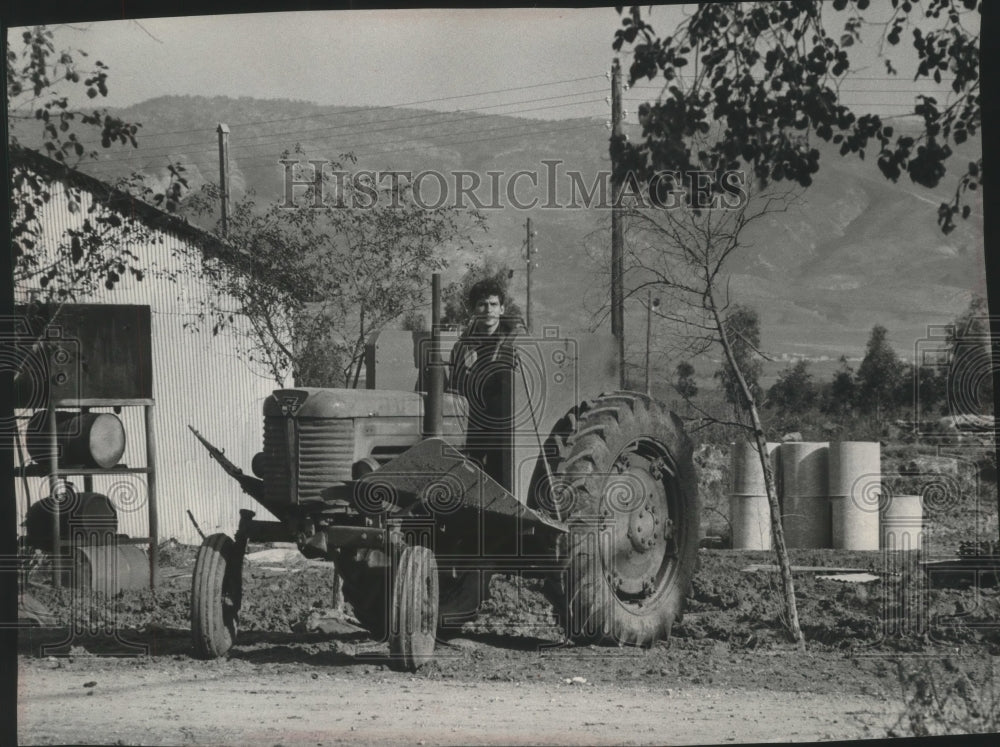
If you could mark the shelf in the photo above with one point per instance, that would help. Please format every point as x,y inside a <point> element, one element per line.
<point>117,541</point>
<point>103,402</point>
<point>132,541</point>
<point>38,470</point>
<point>81,403</point>
<point>52,468</point>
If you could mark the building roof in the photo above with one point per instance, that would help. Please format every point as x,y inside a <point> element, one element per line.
<point>119,200</point>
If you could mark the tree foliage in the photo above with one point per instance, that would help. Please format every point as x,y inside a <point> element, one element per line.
<point>742,327</point>
<point>413,321</point>
<point>684,382</point>
<point>794,391</point>
<point>881,376</point>
<point>96,253</point>
<point>306,286</point>
<point>843,391</point>
<point>747,84</point>
<point>971,361</point>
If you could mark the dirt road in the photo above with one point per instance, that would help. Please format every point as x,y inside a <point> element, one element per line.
<point>298,675</point>
<point>141,703</point>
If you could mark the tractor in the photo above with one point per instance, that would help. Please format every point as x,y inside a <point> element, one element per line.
<point>605,509</point>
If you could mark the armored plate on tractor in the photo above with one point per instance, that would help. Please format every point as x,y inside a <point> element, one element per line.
<point>378,483</point>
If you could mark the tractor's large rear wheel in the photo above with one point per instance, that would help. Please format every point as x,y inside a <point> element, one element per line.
<point>414,609</point>
<point>623,478</point>
<point>216,596</point>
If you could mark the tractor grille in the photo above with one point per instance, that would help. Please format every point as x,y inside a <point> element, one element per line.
<point>325,454</point>
<point>274,464</point>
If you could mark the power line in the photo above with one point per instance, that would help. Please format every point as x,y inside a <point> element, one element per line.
<point>382,106</point>
<point>550,127</point>
<point>444,98</point>
<point>913,91</point>
<point>553,127</point>
<point>459,142</point>
<point>243,168</point>
<point>851,78</point>
<point>284,137</point>
<point>849,104</point>
<point>486,139</point>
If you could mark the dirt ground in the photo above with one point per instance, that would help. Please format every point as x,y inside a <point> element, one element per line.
<point>121,670</point>
<point>243,703</point>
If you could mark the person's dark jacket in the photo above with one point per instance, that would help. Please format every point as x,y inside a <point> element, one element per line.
<point>477,360</point>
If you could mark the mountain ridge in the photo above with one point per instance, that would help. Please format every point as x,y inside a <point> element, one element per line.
<point>859,251</point>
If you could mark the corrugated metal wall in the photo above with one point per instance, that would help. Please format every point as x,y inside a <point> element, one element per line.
<point>198,379</point>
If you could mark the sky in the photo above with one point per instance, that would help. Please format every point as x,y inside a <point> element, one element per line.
<point>535,63</point>
<point>485,59</point>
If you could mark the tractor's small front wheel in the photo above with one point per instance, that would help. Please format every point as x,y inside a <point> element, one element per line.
<point>216,596</point>
<point>413,623</point>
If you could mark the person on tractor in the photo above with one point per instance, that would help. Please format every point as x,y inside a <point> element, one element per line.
<point>482,362</point>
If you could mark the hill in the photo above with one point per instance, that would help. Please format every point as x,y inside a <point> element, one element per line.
<point>859,251</point>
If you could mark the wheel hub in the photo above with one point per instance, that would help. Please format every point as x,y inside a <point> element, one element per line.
<point>636,511</point>
<point>642,525</point>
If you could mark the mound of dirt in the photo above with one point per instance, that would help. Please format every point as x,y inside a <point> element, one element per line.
<point>897,611</point>
<point>516,606</point>
<point>738,609</point>
<point>274,599</point>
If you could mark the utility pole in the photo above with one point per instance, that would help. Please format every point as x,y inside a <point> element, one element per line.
<point>651,303</point>
<point>617,237</point>
<point>530,249</point>
<point>649,332</point>
<point>432,426</point>
<point>223,131</point>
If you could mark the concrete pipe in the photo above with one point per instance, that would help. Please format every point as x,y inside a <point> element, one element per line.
<point>805,504</point>
<point>749,512</point>
<point>855,494</point>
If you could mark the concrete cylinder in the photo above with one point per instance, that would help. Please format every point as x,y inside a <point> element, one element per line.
<point>855,470</point>
<point>902,526</point>
<point>749,513</point>
<point>805,513</point>
<point>750,517</point>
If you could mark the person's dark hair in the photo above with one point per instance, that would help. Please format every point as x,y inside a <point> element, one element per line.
<point>484,289</point>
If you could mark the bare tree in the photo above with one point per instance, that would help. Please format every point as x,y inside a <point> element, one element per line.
<point>681,253</point>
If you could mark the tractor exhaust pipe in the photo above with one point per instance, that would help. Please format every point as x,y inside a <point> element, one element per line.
<point>433,421</point>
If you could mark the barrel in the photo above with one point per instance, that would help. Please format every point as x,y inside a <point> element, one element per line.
<point>110,569</point>
<point>903,523</point>
<point>85,439</point>
<point>855,470</point>
<point>805,504</point>
<point>749,512</point>
<point>84,519</point>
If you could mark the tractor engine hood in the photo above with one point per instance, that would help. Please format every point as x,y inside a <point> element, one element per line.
<point>315,402</point>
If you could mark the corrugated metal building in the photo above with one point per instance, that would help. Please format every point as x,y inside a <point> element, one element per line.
<point>199,378</point>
